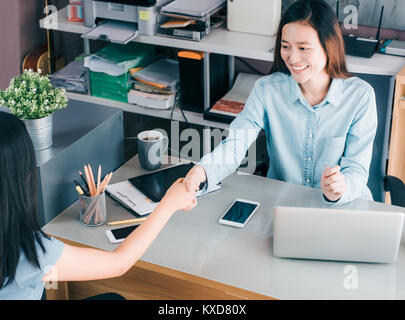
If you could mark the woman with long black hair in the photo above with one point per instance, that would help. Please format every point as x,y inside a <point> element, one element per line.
<point>28,257</point>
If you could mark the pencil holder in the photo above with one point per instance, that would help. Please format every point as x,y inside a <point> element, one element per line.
<point>92,210</point>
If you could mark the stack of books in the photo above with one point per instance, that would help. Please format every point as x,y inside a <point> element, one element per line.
<point>156,85</point>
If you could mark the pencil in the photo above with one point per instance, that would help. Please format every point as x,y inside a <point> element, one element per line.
<point>87,191</point>
<point>114,223</point>
<point>98,179</point>
<point>79,190</point>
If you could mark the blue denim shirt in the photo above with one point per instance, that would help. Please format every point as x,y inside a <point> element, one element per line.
<point>303,139</point>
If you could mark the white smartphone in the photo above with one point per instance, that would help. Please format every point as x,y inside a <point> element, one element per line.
<point>118,235</point>
<point>239,213</point>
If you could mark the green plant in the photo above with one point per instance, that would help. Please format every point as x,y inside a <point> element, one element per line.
<point>31,96</point>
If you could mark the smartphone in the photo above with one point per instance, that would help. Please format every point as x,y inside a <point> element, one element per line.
<point>239,213</point>
<point>118,235</point>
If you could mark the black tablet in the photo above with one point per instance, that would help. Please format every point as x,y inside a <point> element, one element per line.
<point>155,184</point>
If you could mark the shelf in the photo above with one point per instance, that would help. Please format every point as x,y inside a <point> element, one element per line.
<point>219,41</point>
<point>192,117</point>
<point>238,44</point>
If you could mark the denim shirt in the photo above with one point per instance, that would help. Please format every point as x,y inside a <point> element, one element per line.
<point>303,139</point>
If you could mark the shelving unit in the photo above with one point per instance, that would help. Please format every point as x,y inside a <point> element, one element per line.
<point>220,41</point>
<point>192,117</point>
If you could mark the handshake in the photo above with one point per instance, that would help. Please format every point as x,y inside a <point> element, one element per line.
<point>181,194</point>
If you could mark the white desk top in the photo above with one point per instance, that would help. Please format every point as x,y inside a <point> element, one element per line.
<point>195,243</point>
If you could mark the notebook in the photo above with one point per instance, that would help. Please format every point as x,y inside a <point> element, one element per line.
<point>141,194</point>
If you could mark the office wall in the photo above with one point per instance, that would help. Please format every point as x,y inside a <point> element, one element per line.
<point>19,33</point>
<point>369,11</point>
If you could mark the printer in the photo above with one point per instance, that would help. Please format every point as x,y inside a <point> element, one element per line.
<point>117,16</point>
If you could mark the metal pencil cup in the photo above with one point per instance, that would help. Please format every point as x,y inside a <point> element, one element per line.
<point>92,210</point>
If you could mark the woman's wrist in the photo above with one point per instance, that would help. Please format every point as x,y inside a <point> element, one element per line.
<point>201,173</point>
<point>167,207</point>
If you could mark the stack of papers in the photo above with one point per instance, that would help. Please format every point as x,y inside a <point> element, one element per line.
<point>114,31</point>
<point>163,73</point>
<point>151,100</point>
<point>117,59</point>
<point>156,85</point>
<point>72,77</point>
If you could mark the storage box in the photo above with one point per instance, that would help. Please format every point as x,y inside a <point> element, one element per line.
<point>109,87</point>
<point>254,16</point>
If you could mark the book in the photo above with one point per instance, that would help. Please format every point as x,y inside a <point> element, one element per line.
<point>131,198</point>
<point>234,100</point>
<point>151,100</point>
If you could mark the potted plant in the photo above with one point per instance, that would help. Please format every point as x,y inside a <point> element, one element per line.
<point>31,97</point>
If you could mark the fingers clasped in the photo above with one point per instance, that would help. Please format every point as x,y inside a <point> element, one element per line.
<point>333,183</point>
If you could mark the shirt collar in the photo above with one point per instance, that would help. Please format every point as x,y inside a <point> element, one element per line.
<point>333,95</point>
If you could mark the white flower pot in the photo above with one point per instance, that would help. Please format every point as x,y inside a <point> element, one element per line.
<point>41,132</point>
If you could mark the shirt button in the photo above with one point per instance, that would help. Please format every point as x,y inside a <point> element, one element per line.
<point>309,158</point>
<point>307,180</point>
<point>310,135</point>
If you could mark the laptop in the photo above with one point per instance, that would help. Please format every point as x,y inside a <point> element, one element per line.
<point>335,234</point>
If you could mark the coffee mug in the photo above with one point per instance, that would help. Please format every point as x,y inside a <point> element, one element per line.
<point>152,144</point>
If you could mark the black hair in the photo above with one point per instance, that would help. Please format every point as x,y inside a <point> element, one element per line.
<point>19,228</point>
<point>319,15</point>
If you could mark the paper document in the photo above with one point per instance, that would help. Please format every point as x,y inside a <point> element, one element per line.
<point>151,100</point>
<point>134,200</point>
<point>116,59</point>
<point>72,77</point>
<point>164,72</point>
<point>114,31</point>
<point>234,101</point>
<point>125,193</point>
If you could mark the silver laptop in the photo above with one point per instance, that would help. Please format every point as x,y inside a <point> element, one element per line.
<point>335,234</point>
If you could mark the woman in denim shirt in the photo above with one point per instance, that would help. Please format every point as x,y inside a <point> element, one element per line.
<point>320,122</point>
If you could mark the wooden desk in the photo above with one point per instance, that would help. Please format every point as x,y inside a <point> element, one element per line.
<point>194,257</point>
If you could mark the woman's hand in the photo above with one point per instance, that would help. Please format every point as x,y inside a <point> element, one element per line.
<point>177,197</point>
<point>194,178</point>
<point>333,183</point>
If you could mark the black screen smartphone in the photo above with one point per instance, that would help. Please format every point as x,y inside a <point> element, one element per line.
<point>119,235</point>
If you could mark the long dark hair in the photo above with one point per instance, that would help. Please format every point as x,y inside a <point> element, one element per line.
<point>319,15</point>
<point>19,228</point>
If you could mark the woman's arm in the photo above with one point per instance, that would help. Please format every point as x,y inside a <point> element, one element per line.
<point>356,159</point>
<point>77,263</point>
<point>228,155</point>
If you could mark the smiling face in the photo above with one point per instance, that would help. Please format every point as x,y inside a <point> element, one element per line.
<point>303,53</point>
